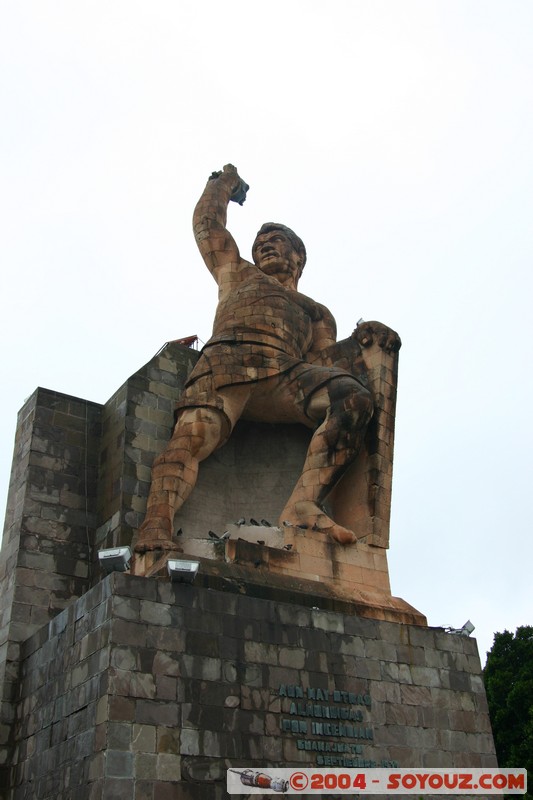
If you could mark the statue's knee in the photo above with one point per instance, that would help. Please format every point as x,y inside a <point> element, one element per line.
<point>350,398</point>
<point>344,389</point>
<point>343,397</point>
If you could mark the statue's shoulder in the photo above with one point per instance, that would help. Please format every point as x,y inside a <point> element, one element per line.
<point>324,311</point>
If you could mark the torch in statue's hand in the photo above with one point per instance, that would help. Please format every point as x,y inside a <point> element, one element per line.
<point>240,187</point>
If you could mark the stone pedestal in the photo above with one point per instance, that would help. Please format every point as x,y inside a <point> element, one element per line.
<point>147,689</point>
<point>273,562</point>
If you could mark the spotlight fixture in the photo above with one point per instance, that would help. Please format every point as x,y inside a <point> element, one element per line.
<point>182,571</point>
<point>466,630</point>
<point>115,559</point>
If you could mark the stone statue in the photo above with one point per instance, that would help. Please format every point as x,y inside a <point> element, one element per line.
<point>273,357</point>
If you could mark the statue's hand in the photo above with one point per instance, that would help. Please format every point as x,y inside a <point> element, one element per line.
<point>367,333</point>
<point>240,187</point>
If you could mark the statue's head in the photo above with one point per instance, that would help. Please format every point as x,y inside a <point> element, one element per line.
<point>279,252</point>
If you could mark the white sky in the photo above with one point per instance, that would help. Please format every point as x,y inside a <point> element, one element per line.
<point>394,137</point>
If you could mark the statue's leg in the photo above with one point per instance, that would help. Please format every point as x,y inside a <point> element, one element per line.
<point>344,408</point>
<point>198,432</point>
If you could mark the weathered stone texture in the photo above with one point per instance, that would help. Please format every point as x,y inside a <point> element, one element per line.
<point>50,522</point>
<point>136,424</point>
<point>118,702</point>
<point>80,478</point>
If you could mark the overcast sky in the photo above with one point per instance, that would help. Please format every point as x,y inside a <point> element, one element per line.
<point>394,136</point>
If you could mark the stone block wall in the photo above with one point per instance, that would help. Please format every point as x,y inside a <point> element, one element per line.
<point>137,423</point>
<point>145,689</point>
<point>49,527</point>
<point>64,674</point>
<point>79,481</point>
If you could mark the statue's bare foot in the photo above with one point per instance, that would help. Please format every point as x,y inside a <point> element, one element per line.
<point>155,534</point>
<point>308,514</point>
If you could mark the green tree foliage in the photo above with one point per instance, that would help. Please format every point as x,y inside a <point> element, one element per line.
<point>508,678</point>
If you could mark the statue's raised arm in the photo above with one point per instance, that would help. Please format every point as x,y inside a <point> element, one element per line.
<point>216,244</point>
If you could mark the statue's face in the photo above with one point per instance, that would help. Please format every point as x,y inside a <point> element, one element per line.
<point>275,256</point>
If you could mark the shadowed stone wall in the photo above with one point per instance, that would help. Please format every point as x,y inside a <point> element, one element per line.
<point>79,481</point>
<point>137,423</point>
<point>146,689</point>
<point>49,528</point>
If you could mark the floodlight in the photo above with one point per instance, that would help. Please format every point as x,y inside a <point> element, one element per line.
<point>115,559</point>
<point>467,628</point>
<point>182,571</point>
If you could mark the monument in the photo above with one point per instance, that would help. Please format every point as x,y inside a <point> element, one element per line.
<point>266,460</point>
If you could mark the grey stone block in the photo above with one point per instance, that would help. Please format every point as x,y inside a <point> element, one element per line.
<point>426,676</point>
<point>155,613</point>
<point>154,712</point>
<point>384,651</point>
<point>460,681</point>
<point>291,657</point>
<point>190,741</point>
<point>327,621</point>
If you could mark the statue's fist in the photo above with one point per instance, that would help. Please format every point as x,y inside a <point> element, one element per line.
<point>239,187</point>
<point>367,333</point>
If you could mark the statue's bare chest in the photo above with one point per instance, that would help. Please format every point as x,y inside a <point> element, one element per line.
<point>261,305</point>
